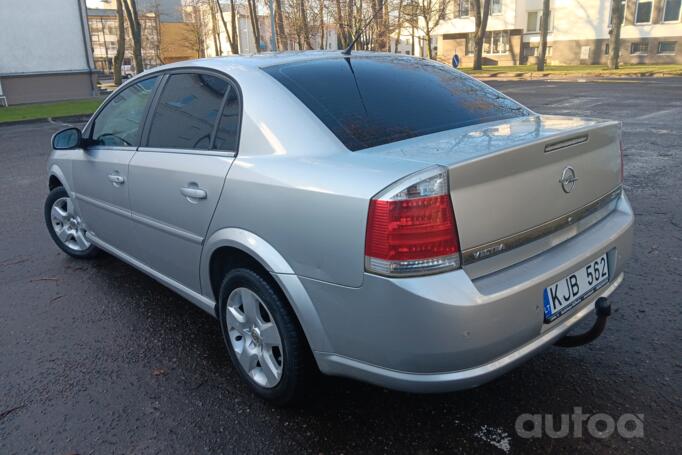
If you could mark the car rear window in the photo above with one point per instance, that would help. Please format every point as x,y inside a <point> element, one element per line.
<point>370,101</point>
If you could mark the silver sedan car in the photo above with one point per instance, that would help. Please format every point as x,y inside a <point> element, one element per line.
<point>374,216</point>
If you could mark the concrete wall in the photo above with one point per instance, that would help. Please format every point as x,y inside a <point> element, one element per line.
<point>47,87</point>
<point>45,51</point>
<point>41,36</point>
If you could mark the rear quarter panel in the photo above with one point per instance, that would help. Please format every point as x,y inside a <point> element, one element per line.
<point>297,187</point>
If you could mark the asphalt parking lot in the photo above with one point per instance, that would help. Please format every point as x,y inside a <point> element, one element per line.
<point>95,357</point>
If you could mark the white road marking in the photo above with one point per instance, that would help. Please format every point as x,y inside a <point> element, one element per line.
<point>496,437</point>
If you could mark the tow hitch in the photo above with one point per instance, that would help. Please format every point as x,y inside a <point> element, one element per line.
<point>602,308</point>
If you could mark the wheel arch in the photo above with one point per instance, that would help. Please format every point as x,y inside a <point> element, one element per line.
<point>58,178</point>
<point>233,247</point>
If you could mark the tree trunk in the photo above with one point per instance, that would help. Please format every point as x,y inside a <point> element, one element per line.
<point>279,23</point>
<point>121,43</point>
<point>614,34</point>
<point>253,15</point>
<point>304,25</point>
<point>429,51</point>
<point>340,27</point>
<point>135,32</point>
<point>380,42</point>
<point>234,44</point>
<point>322,33</point>
<point>215,29</point>
<point>481,21</point>
<point>544,29</point>
<point>350,32</point>
<point>399,26</point>
<point>230,37</point>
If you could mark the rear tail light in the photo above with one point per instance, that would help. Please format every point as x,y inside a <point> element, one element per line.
<point>411,227</point>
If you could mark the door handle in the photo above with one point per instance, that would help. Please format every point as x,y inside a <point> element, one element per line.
<point>193,192</point>
<point>116,179</point>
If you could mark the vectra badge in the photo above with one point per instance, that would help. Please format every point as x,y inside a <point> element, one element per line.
<point>568,179</point>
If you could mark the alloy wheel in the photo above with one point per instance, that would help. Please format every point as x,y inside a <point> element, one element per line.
<point>254,337</point>
<point>67,225</point>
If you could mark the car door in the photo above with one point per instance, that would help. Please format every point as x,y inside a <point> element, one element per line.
<point>100,174</point>
<point>177,177</point>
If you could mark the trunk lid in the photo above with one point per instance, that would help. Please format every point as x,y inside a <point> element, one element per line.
<point>505,177</point>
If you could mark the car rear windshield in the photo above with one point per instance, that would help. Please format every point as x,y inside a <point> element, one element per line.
<point>370,101</point>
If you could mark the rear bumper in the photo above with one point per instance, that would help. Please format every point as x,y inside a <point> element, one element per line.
<point>449,332</point>
<point>454,380</point>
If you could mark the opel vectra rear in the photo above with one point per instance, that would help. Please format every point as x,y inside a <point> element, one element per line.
<point>380,217</point>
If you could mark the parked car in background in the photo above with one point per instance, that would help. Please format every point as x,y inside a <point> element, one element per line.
<point>375,216</point>
<point>127,71</point>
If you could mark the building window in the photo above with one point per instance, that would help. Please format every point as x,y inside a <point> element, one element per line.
<point>672,11</point>
<point>495,7</point>
<point>534,22</point>
<point>535,51</point>
<point>606,49</point>
<point>465,8</point>
<point>643,13</point>
<point>666,47</point>
<point>641,47</point>
<point>494,43</point>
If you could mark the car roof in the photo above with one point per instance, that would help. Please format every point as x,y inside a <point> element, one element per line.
<point>265,59</point>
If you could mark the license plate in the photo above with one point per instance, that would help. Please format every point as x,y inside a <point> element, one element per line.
<point>576,287</point>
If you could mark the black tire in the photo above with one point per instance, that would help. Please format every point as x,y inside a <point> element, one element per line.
<point>297,363</point>
<point>55,195</point>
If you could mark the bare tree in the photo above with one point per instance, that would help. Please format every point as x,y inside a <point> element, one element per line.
<point>151,32</point>
<point>379,25</point>
<point>398,25</point>
<point>255,26</point>
<point>321,22</point>
<point>614,34</point>
<point>215,29</point>
<point>231,37</point>
<point>305,29</point>
<point>341,28</point>
<point>425,15</point>
<point>233,20</point>
<point>544,29</point>
<point>193,19</point>
<point>130,7</point>
<point>282,41</point>
<point>120,44</point>
<point>481,12</point>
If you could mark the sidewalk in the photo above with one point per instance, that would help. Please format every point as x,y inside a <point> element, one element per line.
<point>573,72</point>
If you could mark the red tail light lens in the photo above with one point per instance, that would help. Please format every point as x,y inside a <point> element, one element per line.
<point>411,228</point>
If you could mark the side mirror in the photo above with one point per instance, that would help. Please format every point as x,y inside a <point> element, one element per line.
<point>67,139</point>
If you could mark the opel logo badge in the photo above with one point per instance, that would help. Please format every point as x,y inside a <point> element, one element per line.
<point>568,179</point>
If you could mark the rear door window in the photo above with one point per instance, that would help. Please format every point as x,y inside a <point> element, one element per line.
<point>370,101</point>
<point>187,111</point>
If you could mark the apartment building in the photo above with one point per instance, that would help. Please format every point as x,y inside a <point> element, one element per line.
<point>103,24</point>
<point>44,59</point>
<point>578,32</point>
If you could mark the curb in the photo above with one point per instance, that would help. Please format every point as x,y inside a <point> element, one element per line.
<point>55,120</point>
<point>548,76</point>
